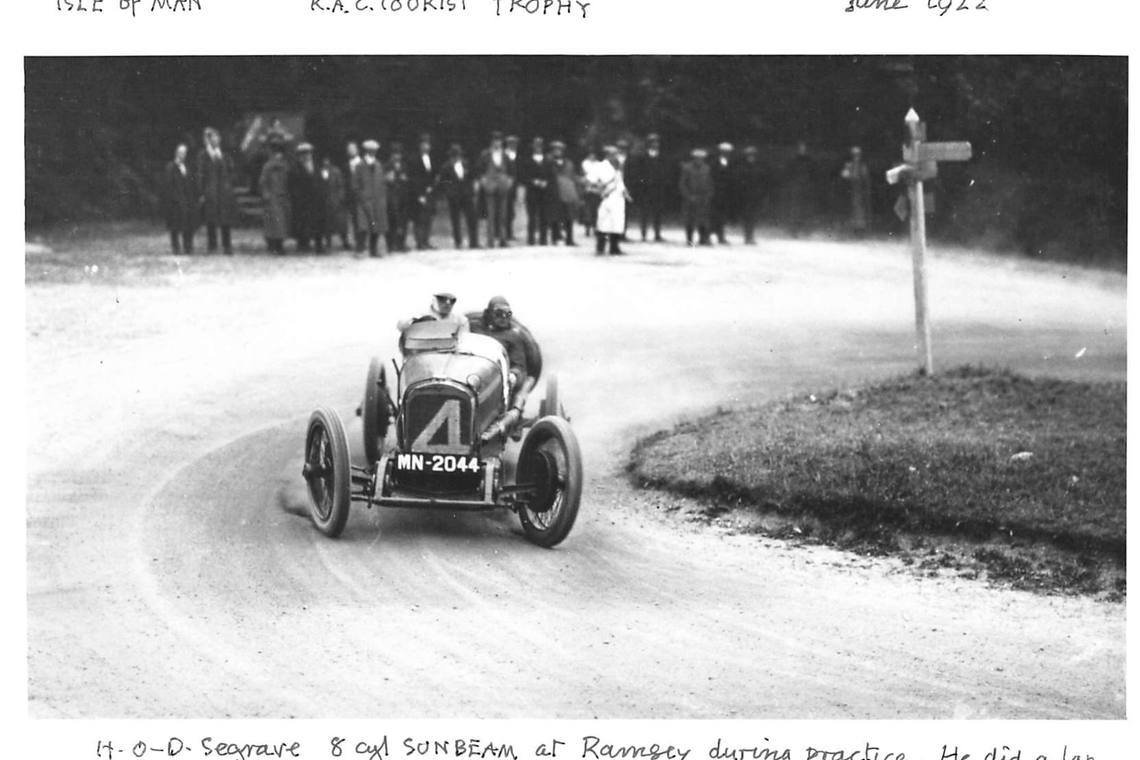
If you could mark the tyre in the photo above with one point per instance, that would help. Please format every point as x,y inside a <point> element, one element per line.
<point>551,460</point>
<point>327,472</point>
<point>375,411</point>
<point>551,405</point>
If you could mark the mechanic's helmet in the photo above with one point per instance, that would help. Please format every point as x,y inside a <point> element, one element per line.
<point>498,313</point>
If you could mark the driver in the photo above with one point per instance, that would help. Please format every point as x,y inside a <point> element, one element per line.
<point>442,309</point>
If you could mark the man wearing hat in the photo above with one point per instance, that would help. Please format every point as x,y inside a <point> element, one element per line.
<point>648,177</point>
<point>611,210</point>
<point>562,194</point>
<point>458,183</point>
<point>858,177</point>
<point>752,182</point>
<point>398,189</point>
<point>273,185</point>
<point>352,153</point>
<point>511,146</point>
<point>216,191</point>
<point>370,189</point>
<point>534,177</point>
<point>696,195</point>
<point>307,200</point>
<point>724,200</point>
<point>442,309</point>
<point>495,170</point>
<point>800,184</point>
<point>422,176</point>
<point>497,321</point>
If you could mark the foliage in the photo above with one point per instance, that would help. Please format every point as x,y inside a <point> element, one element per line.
<point>1053,129</point>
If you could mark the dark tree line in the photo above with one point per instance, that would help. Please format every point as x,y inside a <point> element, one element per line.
<point>1049,174</point>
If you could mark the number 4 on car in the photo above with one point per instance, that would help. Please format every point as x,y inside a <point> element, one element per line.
<point>460,441</point>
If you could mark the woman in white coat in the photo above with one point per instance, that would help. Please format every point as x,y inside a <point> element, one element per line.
<point>611,211</point>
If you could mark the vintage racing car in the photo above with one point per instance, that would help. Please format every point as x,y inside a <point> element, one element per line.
<point>457,428</point>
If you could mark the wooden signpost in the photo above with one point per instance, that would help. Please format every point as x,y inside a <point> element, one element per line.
<point>922,159</point>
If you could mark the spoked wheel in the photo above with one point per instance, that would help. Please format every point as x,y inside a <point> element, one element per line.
<point>551,405</point>
<point>327,472</point>
<point>551,460</point>
<point>375,412</point>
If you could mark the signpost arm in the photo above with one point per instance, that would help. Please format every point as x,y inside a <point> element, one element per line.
<point>918,252</point>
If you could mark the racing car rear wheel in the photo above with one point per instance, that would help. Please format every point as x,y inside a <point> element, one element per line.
<point>327,472</point>
<point>550,460</point>
<point>551,405</point>
<point>375,411</point>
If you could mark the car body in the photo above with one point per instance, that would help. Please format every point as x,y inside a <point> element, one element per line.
<point>457,423</point>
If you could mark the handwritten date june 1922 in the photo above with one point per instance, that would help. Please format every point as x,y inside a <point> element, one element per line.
<point>942,7</point>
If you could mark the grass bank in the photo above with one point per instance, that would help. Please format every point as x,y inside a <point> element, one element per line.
<point>982,472</point>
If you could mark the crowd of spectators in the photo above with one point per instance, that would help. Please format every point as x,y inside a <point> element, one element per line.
<point>372,201</point>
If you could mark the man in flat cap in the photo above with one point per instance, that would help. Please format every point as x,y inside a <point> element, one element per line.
<point>647,175</point>
<point>273,185</point>
<point>370,190</point>
<point>696,195</point>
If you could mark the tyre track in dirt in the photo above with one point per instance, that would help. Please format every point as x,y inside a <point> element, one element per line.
<point>181,548</point>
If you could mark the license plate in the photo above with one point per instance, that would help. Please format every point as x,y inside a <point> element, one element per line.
<point>437,463</point>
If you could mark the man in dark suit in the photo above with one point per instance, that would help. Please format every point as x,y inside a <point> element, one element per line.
<point>495,172</point>
<point>457,180</point>
<point>273,185</point>
<point>307,198</point>
<point>511,147</point>
<point>533,176</point>
<point>648,177</point>
<point>724,190</point>
<point>179,201</point>
<point>752,182</point>
<point>370,190</point>
<point>215,178</point>
<point>421,192</point>
<point>400,199</point>
<point>696,196</point>
<point>336,214</point>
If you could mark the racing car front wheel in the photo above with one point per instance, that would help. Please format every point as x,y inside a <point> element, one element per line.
<point>375,411</point>
<point>327,472</point>
<point>551,462</point>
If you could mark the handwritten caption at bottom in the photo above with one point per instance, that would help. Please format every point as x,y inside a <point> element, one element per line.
<point>588,747</point>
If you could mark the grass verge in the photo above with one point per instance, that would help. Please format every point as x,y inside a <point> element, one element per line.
<point>984,472</point>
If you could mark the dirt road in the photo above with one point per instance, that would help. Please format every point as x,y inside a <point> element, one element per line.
<point>172,571</point>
